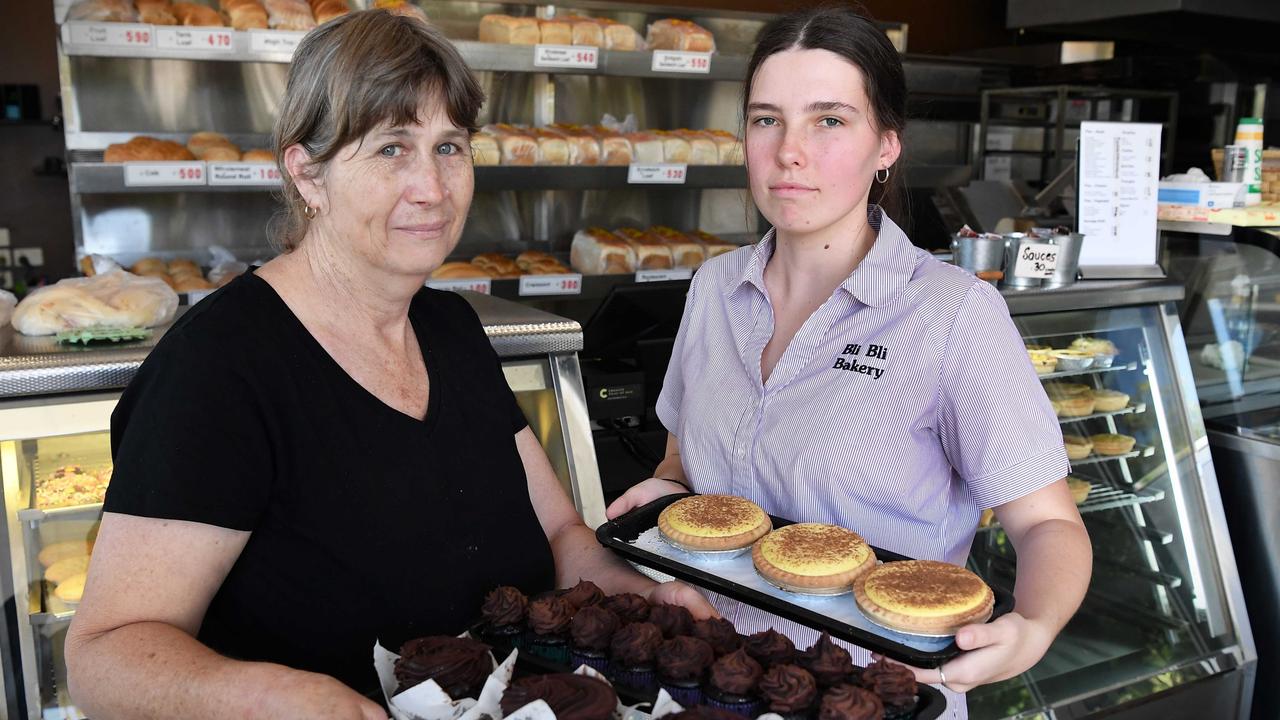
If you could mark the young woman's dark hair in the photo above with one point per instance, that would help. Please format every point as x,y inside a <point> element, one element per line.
<point>851,35</point>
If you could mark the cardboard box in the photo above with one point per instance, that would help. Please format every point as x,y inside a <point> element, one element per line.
<point>1210,195</point>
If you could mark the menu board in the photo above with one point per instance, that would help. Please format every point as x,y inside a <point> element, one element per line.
<point>1119,166</point>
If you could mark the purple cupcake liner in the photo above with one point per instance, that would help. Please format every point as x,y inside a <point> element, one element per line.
<point>591,658</point>
<point>748,707</point>
<point>688,694</point>
<point>638,678</point>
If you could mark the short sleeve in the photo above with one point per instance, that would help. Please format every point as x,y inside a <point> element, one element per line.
<point>189,441</point>
<point>996,425</point>
<point>672,395</point>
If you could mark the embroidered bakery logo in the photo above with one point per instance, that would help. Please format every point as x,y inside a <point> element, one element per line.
<point>848,360</point>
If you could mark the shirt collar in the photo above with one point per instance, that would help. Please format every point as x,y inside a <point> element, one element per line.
<point>881,276</point>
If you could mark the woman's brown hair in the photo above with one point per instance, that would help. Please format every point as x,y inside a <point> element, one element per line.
<point>353,74</point>
<point>851,35</point>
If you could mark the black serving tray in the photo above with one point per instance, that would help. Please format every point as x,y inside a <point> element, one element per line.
<point>619,534</point>
<point>930,702</point>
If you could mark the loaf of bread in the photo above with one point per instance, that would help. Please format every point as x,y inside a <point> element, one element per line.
<point>146,149</point>
<point>728,146</point>
<point>675,148</point>
<point>195,15</point>
<point>102,11</point>
<point>615,148</point>
<point>712,245</point>
<point>553,149</point>
<point>651,252</point>
<point>555,32</point>
<point>289,15</point>
<point>687,252</point>
<point>111,300</point>
<point>596,251</point>
<point>702,147</point>
<point>618,36</point>
<point>458,271</point>
<point>646,148</point>
<point>156,12</point>
<point>516,147</point>
<point>529,258</point>
<point>510,30</point>
<point>485,149</point>
<point>585,31</point>
<point>326,10</point>
<point>584,148</point>
<point>245,14</point>
<point>672,34</point>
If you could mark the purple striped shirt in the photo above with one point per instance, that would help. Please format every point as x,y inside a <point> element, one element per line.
<point>901,408</point>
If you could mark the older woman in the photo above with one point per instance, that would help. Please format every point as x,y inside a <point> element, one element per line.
<point>323,453</point>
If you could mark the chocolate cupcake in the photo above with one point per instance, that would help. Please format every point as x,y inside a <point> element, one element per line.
<point>459,666</point>
<point>849,702</point>
<point>895,684</point>
<point>703,712</point>
<point>789,690</point>
<point>571,697</point>
<point>829,663</point>
<point>503,614</point>
<point>719,633</point>
<point>590,631</point>
<point>629,607</point>
<point>548,634</point>
<point>682,662</point>
<point>584,594</point>
<point>769,648</point>
<point>632,650</point>
<point>732,684</point>
<point>672,620</point>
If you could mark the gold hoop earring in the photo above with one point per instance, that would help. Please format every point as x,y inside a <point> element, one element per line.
<point>882,180</point>
<point>310,212</point>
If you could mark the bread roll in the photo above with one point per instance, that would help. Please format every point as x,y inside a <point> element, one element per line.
<point>195,15</point>
<point>149,264</point>
<point>618,36</point>
<point>509,30</point>
<point>497,265</point>
<point>201,140</point>
<point>219,153</point>
<point>146,149</point>
<point>702,147</point>
<point>258,156</point>
<point>596,251</point>
<point>555,32</point>
<point>517,148</point>
<point>586,31</point>
<point>458,271</point>
<point>729,147</point>
<point>247,15</point>
<point>191,283</point>
<point>553,149</point>
<point>289,15</point>
<point>71,589</point>
<point>675,148</point>
<point>529,258</point>
<point>51,554</point>
<point>156,12</point>
<point>66,568</point>
<point>182,265</point>
<point>646,148</point>
<point>688,252</point>
<point>712,245</point>
<point>672,34</point>
<point>651,252</point>
<point>548,267</point>
<point>485,149</point>
<point>326,10</point>
<point>407,9</point>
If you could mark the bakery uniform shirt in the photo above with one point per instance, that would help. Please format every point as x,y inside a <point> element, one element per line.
<point>904,406</point>
<point>367,524</point>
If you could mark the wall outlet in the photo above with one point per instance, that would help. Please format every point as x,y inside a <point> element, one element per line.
<point>34,256</point>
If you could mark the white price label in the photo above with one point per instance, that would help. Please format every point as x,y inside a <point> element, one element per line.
<point>566,56</point>
<point>675,61</point>
<point>164,173</point>
<point>570,284</point>
<point>667,174</point>
<point>113,34</point>
<point>202,39</point>
<point>1036,261</point>
<point>661,275</point>
<point>480,285</point>
<point>243,174</point>
<point>274,41</point>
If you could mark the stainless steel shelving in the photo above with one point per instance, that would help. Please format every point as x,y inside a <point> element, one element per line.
<point>1130,410</point>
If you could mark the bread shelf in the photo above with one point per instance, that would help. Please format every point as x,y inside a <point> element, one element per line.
<point>228,45</point>
<point>1131,410</point>
<point>73,512</point>
<point>1095,458</point>
<point>1091,371</point>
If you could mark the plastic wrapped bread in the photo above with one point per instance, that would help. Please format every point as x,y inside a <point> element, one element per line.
<point>510,30</point>
<point>156,12</point>
<point>584,149</point>
<point>246,14</point>
<point>646,148</point>
<point>196,15</point>
<point>596,251</point>
<point>729,147</point>
<point>672,34</point>
<point>485,149</point>
<point>553,148</point>
<point>615,148</point>
<point>618,36</point>
<point>712,245</point>
<point>289,15</point>
<point>102,11</point>
<point>675,148</point>
<point>702,147</point>
<point>651,252</point>
<point>687,252</point>
<point>112,300</point>
<point>555,32</point>
<point>515,147</point>
<point>584,30</point>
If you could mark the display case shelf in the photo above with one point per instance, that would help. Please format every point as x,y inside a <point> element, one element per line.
<point>1104,496</point>
<point>40,619</point>
<point>1091,371</point>
<point>73,512</point>
<point>1096,458</point>
<point>1131,410</point>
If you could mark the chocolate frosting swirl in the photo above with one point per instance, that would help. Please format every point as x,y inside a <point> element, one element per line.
<point>736,673</point>
<point>719,633</point>
<point>593,627</point>
<point>684,658</point>
<point>571,697</point>
<point>634,645</point>
<point>504,606</point>
<point>829,663</point>
<point>629,607</point>
<point>672,620</point>
<point>458,665</point>
<point>770,648</point>
<point>894,683</point>
<point>583,594</point>
<point>705,712</point>
<point>550,616</point>
<point>847,702</point>
<point>788,688</point>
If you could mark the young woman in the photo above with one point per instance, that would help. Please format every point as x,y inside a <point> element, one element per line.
<point>835,373</point>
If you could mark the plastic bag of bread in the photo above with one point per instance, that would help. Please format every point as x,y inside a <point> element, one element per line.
<point>156,12</point>
<point>102,11</point>
<point>596,251</point>
<point>509,30</point>
<point>672,34</point>
<point>245,14</point>
<point>289,15</point>
<point>113,300</point>
<point>197,15</point>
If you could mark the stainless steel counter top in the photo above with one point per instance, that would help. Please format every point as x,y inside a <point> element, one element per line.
<point>1092,294</point>
<point>42,366</point>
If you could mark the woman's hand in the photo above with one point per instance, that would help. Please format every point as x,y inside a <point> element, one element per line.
<point>994,651</point>
<point>312,696</point>
<point>678,593</point>
<point>643,493</point>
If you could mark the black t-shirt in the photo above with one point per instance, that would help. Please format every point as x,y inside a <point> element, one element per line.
<point>366,523</point>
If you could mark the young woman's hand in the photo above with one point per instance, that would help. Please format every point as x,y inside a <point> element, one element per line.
<point>678,593</point>
<point>643,493</point>
<point>993,651</point>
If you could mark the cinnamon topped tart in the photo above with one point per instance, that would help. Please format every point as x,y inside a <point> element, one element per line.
<point>923,597</point>
<point>813,558</point>
<point>704,523</point>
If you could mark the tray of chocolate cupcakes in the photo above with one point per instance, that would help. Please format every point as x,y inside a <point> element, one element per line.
<point>822,576</point>
<point>705,666</point>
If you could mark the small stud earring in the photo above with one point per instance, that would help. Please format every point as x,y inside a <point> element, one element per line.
<point>310,212</point>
